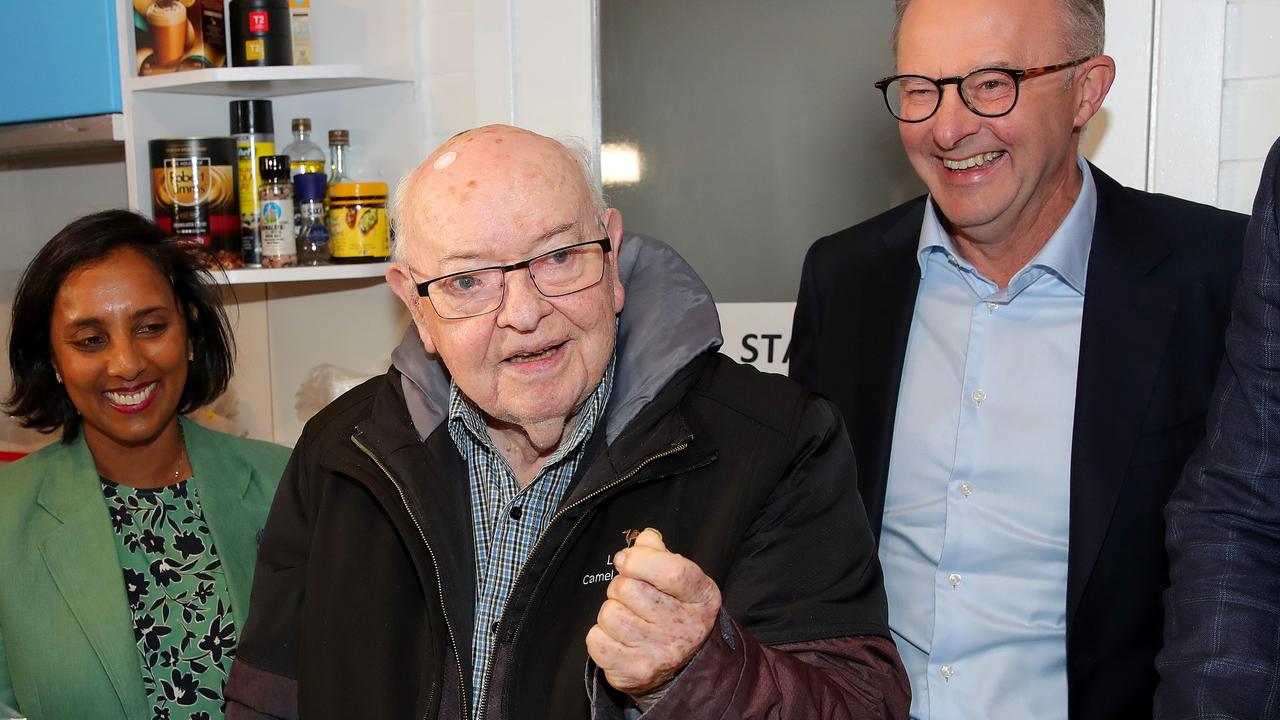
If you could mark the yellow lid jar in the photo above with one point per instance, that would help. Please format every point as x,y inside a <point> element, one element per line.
<point>358,225</point>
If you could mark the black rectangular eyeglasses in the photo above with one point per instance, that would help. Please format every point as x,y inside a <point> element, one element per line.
<point>555,273</point>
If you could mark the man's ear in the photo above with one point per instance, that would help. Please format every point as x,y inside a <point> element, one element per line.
<point>405,289</point>
<point>1095,79</point>
<point>612,219</point>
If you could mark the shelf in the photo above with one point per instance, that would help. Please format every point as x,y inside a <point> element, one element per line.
<point>67,136</point>
<point>246,276</point>
<point>267,82</point>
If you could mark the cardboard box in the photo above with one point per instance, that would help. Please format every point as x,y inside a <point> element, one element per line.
<point>173,35</point>
<point>300,14</point>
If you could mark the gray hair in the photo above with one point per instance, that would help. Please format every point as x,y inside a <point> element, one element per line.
<point>1085,26</point>
<point>572,146</point>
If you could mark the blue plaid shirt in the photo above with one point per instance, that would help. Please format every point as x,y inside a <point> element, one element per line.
<point>507,520</point>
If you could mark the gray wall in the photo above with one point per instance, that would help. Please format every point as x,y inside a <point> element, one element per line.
<point>759,128</point>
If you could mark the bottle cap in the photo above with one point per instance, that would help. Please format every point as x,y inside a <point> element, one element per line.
<point>339,137</point>
<point>251,116</point>
<point>309,186</point>
<point>302,124</point>
<point>274,167</point>
<point>358,190</point>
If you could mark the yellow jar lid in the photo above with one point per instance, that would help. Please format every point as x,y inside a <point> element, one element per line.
<point>358,189</point>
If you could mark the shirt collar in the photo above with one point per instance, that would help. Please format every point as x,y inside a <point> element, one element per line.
<point>1066,254</point>
<point>463,410</point>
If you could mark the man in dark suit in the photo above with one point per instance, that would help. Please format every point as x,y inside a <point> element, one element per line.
<point>1024,359</point>
<point>1222,635</point>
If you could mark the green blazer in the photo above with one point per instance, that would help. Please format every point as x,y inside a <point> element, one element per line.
<point>67,647</point>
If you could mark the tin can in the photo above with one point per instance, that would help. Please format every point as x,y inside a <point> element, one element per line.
<point>261,32</point>
<point>193,194</point>
<point>253,128</point>
<point>358,222</point>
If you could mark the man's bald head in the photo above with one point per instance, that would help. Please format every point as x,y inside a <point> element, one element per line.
<point>448,183</point>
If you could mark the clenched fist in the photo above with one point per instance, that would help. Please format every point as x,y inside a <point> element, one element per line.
<point>660,609</point>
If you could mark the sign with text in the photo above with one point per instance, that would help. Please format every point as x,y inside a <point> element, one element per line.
<point>757,334</point>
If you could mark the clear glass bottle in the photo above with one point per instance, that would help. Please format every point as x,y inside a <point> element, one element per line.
<point>275,213</point>
<point>313,233</point>
<point>339,142</point>
<point>304,155</point>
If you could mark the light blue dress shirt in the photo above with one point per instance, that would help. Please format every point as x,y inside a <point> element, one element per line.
<point>974,540</point>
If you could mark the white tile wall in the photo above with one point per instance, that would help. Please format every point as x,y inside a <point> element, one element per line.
<point>1238,183</point>
<point>450,72</point>
<point>1250,117</point>
<point>1250,98</point>
<point>1253,34</point>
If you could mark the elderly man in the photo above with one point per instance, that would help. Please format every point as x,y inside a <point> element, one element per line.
<point>1025,359</point>
<point>449,538</point>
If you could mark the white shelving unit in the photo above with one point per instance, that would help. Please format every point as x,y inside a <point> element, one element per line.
<point>311,273</point>
<point>270,82</point>
<point>290,321</point>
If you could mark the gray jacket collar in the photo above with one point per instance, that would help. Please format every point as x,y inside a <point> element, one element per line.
<point>669,319</point>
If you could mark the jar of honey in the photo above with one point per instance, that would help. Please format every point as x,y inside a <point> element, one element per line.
<point>358,226</point>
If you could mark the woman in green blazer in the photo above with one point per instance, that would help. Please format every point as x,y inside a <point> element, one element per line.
<point>127,548</point>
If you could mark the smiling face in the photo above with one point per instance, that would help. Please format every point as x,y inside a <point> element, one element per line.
<point>503,196</point>
<point>1028,165</point>
<point>120,343</point>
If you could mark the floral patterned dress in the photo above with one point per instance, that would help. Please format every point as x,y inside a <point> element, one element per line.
<point>177,594</point>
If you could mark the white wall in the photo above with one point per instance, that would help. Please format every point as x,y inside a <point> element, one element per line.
<point>1116,139</point>
<point>1250,98</point>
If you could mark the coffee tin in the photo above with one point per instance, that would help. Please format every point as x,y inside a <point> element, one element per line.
<point>193,194</point>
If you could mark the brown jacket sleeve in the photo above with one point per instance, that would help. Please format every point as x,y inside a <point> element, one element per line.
<point>735,676</point>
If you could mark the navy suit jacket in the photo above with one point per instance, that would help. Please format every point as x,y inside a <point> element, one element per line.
<point>1222,634</point>
<point>1158,295</point>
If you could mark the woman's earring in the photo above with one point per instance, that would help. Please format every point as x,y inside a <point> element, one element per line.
<point>57,376</point>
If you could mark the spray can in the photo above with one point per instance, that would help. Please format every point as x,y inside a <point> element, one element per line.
<point>254,132</point>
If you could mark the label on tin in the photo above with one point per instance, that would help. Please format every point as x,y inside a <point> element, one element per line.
<point>259,21</point>
<point>253,50</point>
<point>358,231</point>
<point>247,154</point>
<point>276,223</point>
<point>193,187</point>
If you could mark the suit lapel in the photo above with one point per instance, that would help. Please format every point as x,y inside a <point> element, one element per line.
<point>224,484</point>
<point>1124,331</point>
<point>81,557</point>
<point>881,348</point>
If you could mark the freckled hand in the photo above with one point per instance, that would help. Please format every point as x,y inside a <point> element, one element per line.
<point>659,609</point>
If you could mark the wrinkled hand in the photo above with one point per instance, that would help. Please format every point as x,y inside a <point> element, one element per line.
<point>660,609</point>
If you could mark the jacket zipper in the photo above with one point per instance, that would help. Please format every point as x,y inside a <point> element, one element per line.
<point>436,565</point>
<point>488,672</point>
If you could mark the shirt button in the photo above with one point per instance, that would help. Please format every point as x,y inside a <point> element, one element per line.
<point>979,395</point>
<point>966,489</point>
<point>954,579</point>
<point>516,512</point>
<point>947,672</point>
<point>991,307</point>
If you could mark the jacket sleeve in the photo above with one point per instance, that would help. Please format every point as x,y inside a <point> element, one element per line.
<point>263,681</point>
<point>803,631</point>
<point>1222,625</point>
<point>7,696</point>
<point>734,675</point>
